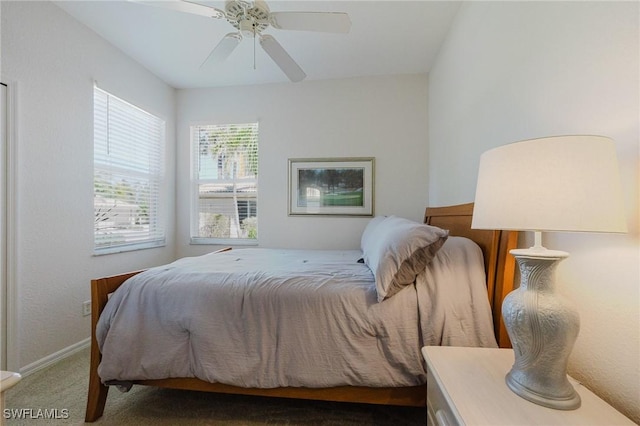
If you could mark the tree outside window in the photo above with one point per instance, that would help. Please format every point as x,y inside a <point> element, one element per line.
<point>225,182</point>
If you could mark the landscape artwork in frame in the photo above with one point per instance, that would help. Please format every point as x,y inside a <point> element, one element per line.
<point>331,186</point>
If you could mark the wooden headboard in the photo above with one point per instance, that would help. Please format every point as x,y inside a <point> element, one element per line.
<point>495,245</point>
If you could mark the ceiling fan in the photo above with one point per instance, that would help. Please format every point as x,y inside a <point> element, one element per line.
<point>251,19</point>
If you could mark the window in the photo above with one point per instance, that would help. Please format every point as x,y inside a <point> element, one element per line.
<point>225,183</point>
<point>128,171</point>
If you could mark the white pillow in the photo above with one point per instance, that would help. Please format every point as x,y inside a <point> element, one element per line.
<point>368,232</point>
<point>397,250</point>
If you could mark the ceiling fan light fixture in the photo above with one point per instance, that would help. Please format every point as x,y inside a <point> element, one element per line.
<point>247,27</point>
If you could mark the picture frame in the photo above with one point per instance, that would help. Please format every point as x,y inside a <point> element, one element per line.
<point>331,186</point>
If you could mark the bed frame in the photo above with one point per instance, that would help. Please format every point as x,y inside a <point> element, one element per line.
<point>499,267</point>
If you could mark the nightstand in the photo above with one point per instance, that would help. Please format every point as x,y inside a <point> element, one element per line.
<point>467,386</point>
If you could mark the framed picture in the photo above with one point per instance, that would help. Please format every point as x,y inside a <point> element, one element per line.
<point>331,186</point>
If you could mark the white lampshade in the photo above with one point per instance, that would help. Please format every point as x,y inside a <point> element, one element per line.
<point>562,183</point>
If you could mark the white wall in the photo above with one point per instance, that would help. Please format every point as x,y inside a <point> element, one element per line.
<point>381,117</point>
<point>54,60</point>
<point>510,71</point>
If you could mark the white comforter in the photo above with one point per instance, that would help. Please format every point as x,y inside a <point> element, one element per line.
<point>272,318</point>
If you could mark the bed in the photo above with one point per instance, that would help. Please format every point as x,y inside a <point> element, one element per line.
<point>398,382</point>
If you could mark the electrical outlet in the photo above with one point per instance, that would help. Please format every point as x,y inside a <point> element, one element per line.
<point>86,308</point>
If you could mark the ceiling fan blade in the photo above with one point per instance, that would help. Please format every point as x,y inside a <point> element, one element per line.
<point>223,49</point>
<point>282,58</point>
<point>185,6</point>
<point>327,22</point>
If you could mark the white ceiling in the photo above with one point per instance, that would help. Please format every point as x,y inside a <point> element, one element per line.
<point>386,37</point>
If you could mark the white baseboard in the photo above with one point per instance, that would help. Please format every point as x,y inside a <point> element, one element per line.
<point>55,357</point>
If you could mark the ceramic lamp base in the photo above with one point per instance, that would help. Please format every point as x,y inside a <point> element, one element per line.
<point>542,328</point>
<point>569,402</point>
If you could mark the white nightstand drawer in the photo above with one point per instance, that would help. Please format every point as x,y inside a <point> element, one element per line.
<point>439,412</point>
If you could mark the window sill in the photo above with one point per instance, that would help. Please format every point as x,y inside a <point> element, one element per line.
<point>127,248</point>
<point>223,241</point>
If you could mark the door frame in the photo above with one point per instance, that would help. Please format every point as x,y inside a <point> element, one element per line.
<point>9,194</point>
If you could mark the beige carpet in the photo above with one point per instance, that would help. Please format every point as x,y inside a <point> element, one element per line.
<point>64,387</point>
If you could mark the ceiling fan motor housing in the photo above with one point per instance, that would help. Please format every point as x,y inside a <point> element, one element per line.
<point>249,17</point>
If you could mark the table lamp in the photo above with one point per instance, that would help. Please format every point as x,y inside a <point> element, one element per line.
<point>554,184</point>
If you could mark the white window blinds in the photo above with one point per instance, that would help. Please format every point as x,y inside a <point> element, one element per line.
<point>128,173</point>
<point>225,183</point>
